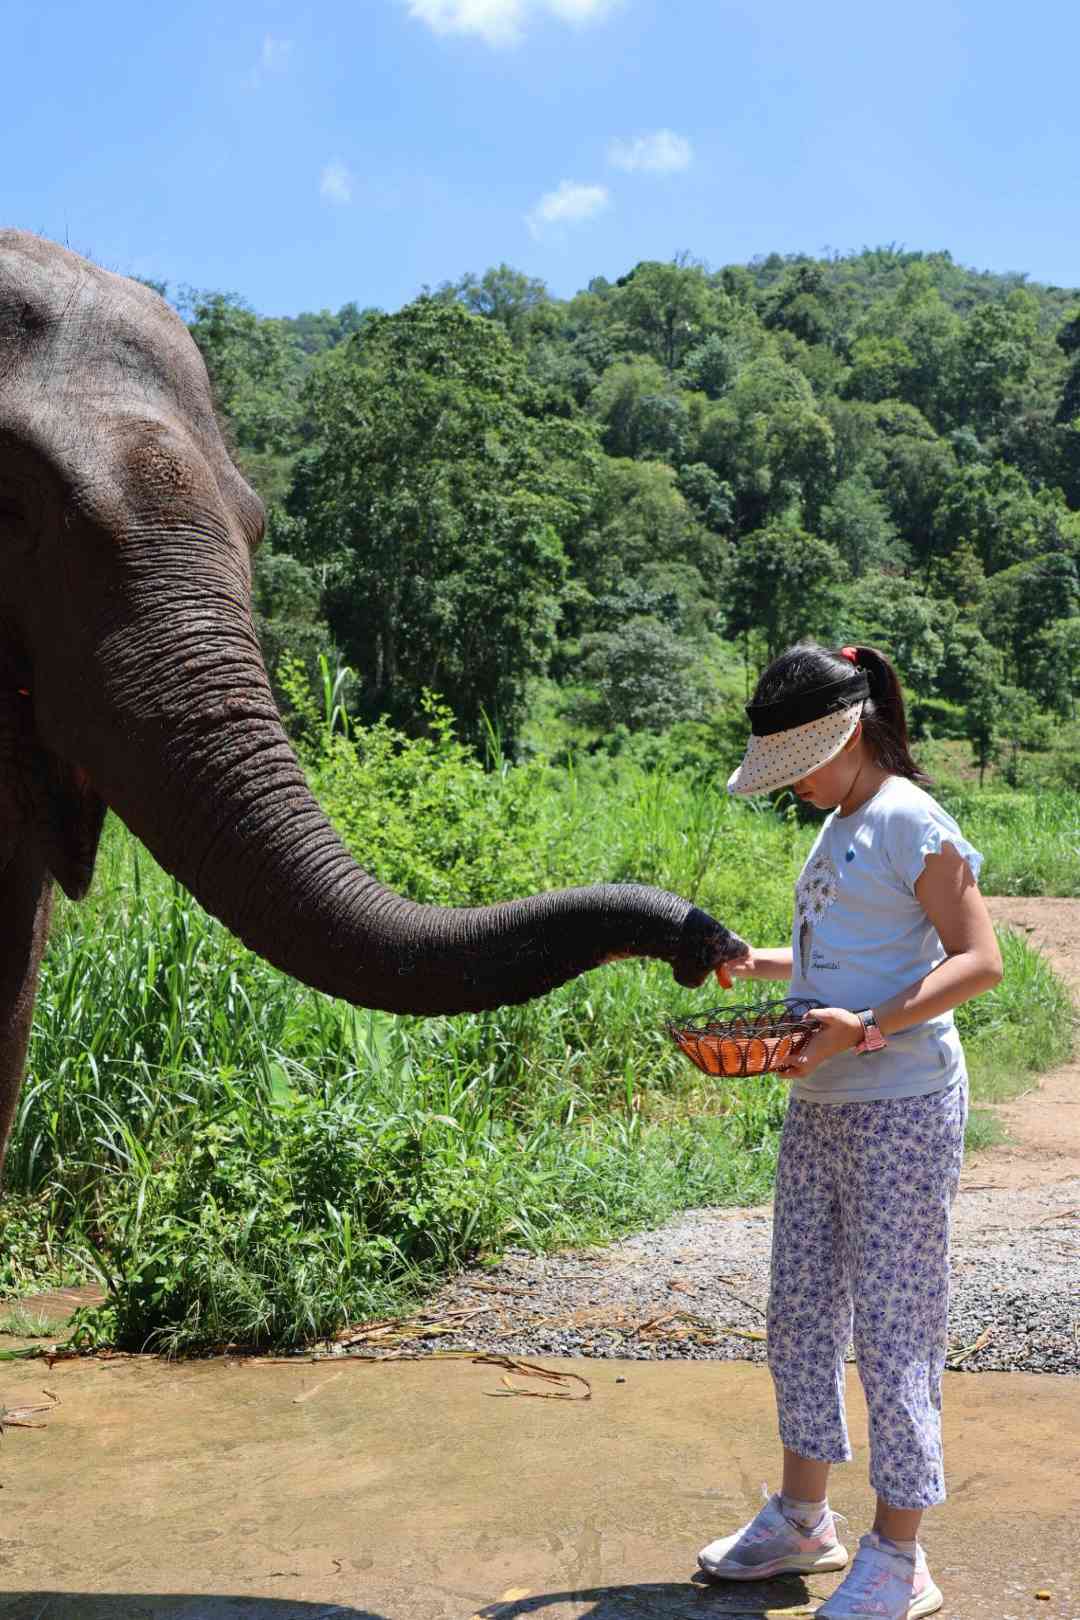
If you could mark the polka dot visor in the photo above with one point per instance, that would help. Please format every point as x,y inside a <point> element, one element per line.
<point>787,756</point>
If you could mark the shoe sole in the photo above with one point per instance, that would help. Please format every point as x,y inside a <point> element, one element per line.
<point>928,1602</point>
<point>837,1558</point>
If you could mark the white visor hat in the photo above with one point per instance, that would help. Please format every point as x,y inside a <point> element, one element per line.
<point>798,735</point>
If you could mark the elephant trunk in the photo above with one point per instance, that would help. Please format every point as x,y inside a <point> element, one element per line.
<point>192,755</point>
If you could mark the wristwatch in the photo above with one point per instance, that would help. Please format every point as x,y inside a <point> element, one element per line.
<point>873,1040</point>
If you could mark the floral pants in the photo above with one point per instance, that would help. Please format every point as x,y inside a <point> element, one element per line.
<point>861,1250</point>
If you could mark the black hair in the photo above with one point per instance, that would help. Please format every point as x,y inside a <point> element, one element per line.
<point>806,666</point>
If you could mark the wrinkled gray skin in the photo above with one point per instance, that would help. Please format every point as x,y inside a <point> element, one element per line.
<point>130,677</point>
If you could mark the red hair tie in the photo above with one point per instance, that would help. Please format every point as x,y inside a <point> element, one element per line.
<point>850,653</point>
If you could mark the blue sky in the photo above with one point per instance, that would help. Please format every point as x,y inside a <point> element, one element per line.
<point>307,155</point>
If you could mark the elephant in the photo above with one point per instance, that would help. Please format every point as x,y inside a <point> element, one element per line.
<point>131,679</point>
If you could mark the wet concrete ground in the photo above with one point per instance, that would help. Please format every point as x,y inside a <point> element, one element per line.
<point>406,1491</point>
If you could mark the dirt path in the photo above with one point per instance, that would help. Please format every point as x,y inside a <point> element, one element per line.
<point>1043,1126</point>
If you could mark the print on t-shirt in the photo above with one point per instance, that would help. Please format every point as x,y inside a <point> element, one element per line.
<point>814,894</point>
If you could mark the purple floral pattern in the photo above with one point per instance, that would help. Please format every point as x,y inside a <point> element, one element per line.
<point>864,1192</point>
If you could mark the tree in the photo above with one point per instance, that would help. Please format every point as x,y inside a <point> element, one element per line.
<point>287,603</point>
<point>665,308</point>
<point>981,720</point>
<point>912,468</point>
<point>997,713</point>
<point>1025,600</point>
<point>640,519</point>
<point>768,439</point>
<point>880,367</point>
<point>856,520</point>
<point>712,366</point>
<point>255,367</point>
<point>892,613</point>
<point>640,413</point>
<point>959,577</point>
<point>1054,671</point>
<point>805,304</point>
<point>969,664</point>
<point>442,501</point>
<point>929,330</point>
<point>642,677</point>
<point>993,358</point>
<point>711,498</point>
<point>501,294</point>
<point>321,330</point>
<point>781,585</point>
<point>1067,416</point>
<point>916,335</point>
<point>994,510</point>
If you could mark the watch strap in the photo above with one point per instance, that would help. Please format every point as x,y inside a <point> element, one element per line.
<point>873,1040</point>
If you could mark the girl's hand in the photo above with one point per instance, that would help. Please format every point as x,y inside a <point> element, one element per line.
<point>737,967</point>
<point>740,967</point>
<point>841,1031</point>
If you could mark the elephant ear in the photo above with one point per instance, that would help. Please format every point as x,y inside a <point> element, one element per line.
<point>43,799</point>
<point>68,816</point>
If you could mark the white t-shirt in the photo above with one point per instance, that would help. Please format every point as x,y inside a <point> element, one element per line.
<point>860,935</point>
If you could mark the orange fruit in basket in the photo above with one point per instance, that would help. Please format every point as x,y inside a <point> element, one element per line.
<point>730,1056</point>
<point>708,1056</point>
<point>746,1040</point>
<point>758,1055</point>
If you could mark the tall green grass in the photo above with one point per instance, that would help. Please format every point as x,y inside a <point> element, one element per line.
<point>1031,839</point>
<point>242,1160</point>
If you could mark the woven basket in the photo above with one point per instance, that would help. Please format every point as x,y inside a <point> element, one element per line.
<point>737,1041</point>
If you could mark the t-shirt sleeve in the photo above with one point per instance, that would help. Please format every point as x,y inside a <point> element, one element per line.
<point>919,831</point>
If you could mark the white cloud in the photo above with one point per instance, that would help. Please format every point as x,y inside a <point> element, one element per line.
<point>568,204</point>
<point>663,152</point>
<point>335,184</point>
<point>499,22</point>
<point>502,22</point>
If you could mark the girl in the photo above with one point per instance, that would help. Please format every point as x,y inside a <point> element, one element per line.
<point>891,933</point>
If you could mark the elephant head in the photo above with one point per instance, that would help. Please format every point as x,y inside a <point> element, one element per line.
<point>131,677</point>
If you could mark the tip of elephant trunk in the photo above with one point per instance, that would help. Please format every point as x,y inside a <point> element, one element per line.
<point>705,945</point>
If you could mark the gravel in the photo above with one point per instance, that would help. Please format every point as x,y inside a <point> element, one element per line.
<point>696,1290</point>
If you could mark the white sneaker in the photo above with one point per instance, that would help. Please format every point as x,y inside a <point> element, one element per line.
<point>883,1583</point>
<point>771,1545</point>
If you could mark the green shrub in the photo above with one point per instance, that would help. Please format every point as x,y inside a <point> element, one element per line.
<point>937,717</point>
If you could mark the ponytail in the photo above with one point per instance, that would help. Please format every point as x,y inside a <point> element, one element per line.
<point>884,720</point>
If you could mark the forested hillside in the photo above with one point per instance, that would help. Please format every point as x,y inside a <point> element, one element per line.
<point>584,525</point>
<point>586,519</point>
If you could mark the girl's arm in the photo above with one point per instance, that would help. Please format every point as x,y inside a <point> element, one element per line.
<point>768,964</point>
<point>951,899</point>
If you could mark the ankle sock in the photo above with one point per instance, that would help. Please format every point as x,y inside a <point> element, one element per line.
<point>908,1548</point>
<point>807,1515</point>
